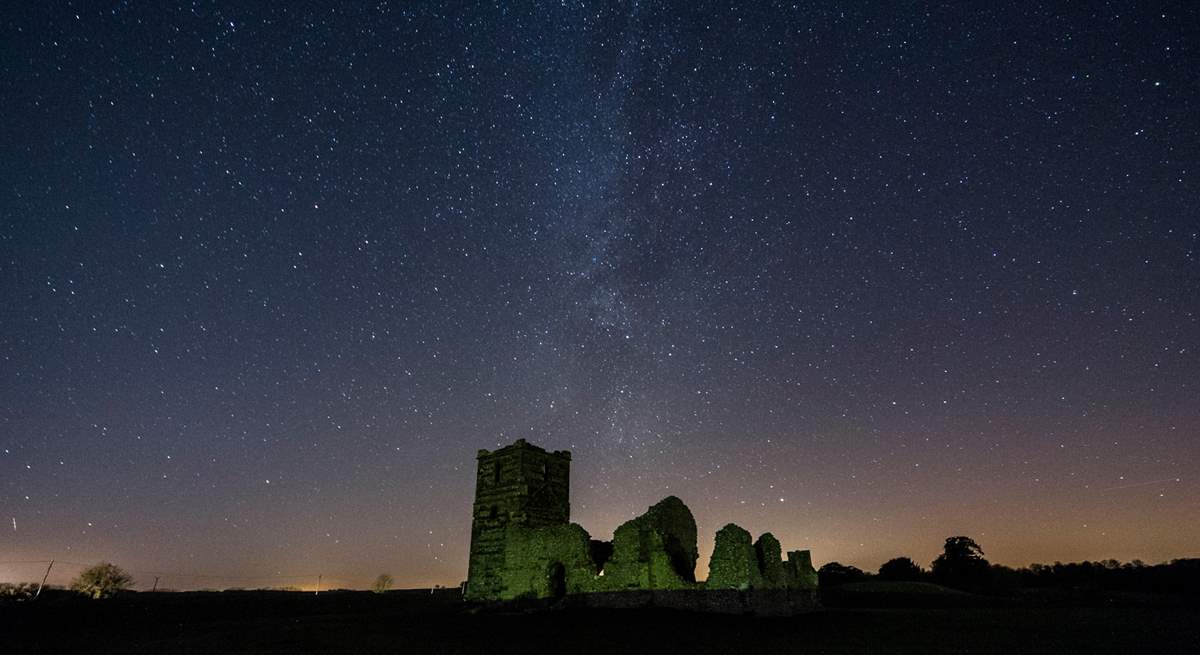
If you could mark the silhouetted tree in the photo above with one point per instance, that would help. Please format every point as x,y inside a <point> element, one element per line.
<point>1181,576</point>
<point>961,564</point>
<point>834,574</point>
<point>18,591</point>
<point>1003,579</point>
<point>382,583</point>
<point>901,569</point>
<point>102,580</point>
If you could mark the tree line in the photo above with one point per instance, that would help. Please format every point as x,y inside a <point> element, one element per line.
<point>106,579</point>
<point>962,565</point>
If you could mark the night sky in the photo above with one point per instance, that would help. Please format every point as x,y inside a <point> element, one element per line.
<point>863,276</point>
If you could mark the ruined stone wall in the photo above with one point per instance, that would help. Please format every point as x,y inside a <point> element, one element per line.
<point>761,602</point>
<point>656,550</point>
<point>524,547</point>
<point>770,562</point>
<point>734,564</point>
<point>546,562</point>
<point>800,571</point>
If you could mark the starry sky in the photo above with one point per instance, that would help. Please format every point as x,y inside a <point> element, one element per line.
<point>863,276</point>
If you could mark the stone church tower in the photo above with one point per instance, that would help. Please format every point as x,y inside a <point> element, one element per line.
<point>518,485</point>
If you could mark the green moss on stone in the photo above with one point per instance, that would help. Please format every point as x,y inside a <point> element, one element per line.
<point>734,564</point>
<point>523,546</point>
<point>656,550</point>
<point>545,562</point>
<point>770,562</point>
<point>800,571</point>
<point>518,486</point>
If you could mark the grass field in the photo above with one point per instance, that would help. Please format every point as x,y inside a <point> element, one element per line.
<point>420,622</point>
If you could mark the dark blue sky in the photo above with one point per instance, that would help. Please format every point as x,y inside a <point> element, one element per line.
<point>864,277</point>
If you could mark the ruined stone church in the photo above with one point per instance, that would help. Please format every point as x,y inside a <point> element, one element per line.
<point>523,545</point>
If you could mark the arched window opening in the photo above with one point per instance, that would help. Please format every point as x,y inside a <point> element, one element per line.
<point>557,580</point>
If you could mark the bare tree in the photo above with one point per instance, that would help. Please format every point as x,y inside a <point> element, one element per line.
<point>382,583</point>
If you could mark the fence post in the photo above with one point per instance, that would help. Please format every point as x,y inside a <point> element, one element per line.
<point>39,591</point>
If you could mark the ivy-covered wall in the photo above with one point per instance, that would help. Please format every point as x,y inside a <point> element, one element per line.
<point>656,550</point>
<point>524,546</point>
<point>734,564</point>
<point>546,562</point>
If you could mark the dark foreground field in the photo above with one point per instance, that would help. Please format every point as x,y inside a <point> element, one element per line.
<point>418,622</point>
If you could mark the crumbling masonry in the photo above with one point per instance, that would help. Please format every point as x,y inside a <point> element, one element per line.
<point>523,545</point>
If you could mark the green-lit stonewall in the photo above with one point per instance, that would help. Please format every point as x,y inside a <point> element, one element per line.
<point>523,544</point>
